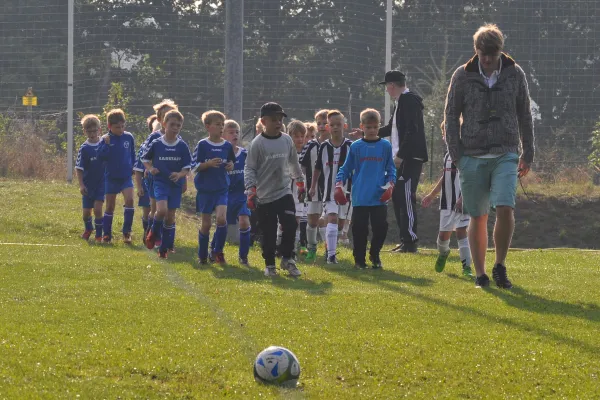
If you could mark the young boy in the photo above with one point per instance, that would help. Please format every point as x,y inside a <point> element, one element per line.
<point>308,159</point>
<point>168,159</point>
<point>90,173</point>
<point>332,154</point>
<point>271,165</point>
<point>117,150</point>
<point>297,132</point>
<point>144,180</point>
<point>451,216</point>
<point>213,159</point>
<point>370,163</point>
<point>311,132</point>
<point>237,209</point>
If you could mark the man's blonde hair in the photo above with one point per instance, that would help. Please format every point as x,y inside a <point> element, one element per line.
<point>89,121</point>
<point>231,124</point>
<point>488,39</point>
<point>163,107</point>
<point>321,114</point>
<point>296,126</point>
<point>212,116</point>
<point>369,116</point>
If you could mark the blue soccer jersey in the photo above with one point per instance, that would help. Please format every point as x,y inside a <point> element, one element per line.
<point>236,177</point>
<point>212,179</point>
<point>168,158</point>
<point>118,156</point>
<point>92,167</point>
<point>139,165</point>
<point>370,165</point>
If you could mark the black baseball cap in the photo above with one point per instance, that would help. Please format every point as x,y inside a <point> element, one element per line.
<point>393,76</point>
<point>271,109</point>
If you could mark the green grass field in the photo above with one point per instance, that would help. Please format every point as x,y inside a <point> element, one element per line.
<point>80,320</point>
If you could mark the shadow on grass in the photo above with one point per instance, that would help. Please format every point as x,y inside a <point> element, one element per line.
<point>252,273</point>
<point>520,298</point>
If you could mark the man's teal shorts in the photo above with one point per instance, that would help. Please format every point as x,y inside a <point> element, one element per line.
<point>486,182</point>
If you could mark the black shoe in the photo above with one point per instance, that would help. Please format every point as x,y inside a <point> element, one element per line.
<point>499,275</point>
<point>376,261</point>
<point>360,265</point>
<point>482,281</point>
<point>408,248</point>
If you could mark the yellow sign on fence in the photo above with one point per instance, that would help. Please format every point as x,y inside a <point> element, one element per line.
<point>30,99</point>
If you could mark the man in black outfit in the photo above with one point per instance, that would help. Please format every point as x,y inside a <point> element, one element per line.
<point>407,134</point>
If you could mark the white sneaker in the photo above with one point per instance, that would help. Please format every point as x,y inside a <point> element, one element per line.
<point>270,271</point>
<point>290,266</point>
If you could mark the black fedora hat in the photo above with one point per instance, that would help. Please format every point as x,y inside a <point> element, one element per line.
<point>393,76</point>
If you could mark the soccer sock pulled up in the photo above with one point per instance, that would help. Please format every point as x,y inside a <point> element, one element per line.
<point>98,225</point>
<point>443,246</point>
<point>128,219</point>
<point>202,246</point>
<point>464,251</point>
<point>145,224</point>
<point>168,237</point>
<point>244,243</point>
<point>157,229</point>
<point>87,222</point>
<point>220,237</point>
<point>311,237</point>
<point>323,233</point>
<point>107,224</point>
<point>332,235</point>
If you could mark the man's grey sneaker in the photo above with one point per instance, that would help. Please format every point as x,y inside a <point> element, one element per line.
<point>332,259</point>
<point>376,261</point>
<point>482,281</point>
<point>244,261</point>
<point>290,266</point>
<point>362,265</point>
<point>499,275</point>
<point>270,271</point>
<point>440,263</point>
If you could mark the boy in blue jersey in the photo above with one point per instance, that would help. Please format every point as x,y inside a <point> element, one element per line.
<point>90,173</point>
<point>237,209</point>
<point>144,180</point>
<point>212,159</point>
<point>117,150</point>
<point>370,163</point>
<point>169,161</point>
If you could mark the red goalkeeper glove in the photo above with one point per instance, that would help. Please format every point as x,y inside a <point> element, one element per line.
<point>387,195</point>
<point>339,195</point>
<point>301,191</point>
<point>251,198</point>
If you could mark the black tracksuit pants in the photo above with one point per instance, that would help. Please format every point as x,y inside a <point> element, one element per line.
<point>404,199</point>
<point>281,211</point>
<point>360,230</point>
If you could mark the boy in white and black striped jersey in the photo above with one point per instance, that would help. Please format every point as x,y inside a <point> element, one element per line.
<point>451,217</point>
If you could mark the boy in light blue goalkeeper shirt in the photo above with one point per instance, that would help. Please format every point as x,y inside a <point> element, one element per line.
<point>213,158</point>
<point>371,165</point>
<point>169,161</point>
<point>90,173</point>
<point>117,150</point>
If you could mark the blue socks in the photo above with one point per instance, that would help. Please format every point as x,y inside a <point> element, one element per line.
<point>107,223</point>
<point>168,237</point>
<point>244,243</point>
<point>128,219</point>
<point>202,246</point>
<point>220,237</point>
<point>88,224</point>
<point>98,224</point>
<point>157,229</point>
<point>145,224</point>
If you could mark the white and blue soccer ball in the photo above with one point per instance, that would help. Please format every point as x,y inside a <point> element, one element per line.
<point>277,365</point>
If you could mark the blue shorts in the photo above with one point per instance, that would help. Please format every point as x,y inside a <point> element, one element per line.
<point>170,193</point>
<point>116,186</point>
<point>144,201</point>
<point>234,210</point>
<point>488,182</point>
<point>93,196</point>
<point>207,202</point>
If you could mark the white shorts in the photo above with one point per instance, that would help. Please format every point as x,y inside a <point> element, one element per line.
<point>315,207</point>
<point>301,209</point>
<point>451,220</point>
<point>331,207</point>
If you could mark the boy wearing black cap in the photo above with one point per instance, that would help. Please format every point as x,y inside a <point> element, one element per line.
<point>272,158</point>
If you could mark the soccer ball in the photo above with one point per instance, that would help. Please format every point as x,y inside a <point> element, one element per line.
<point>277,365</point>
